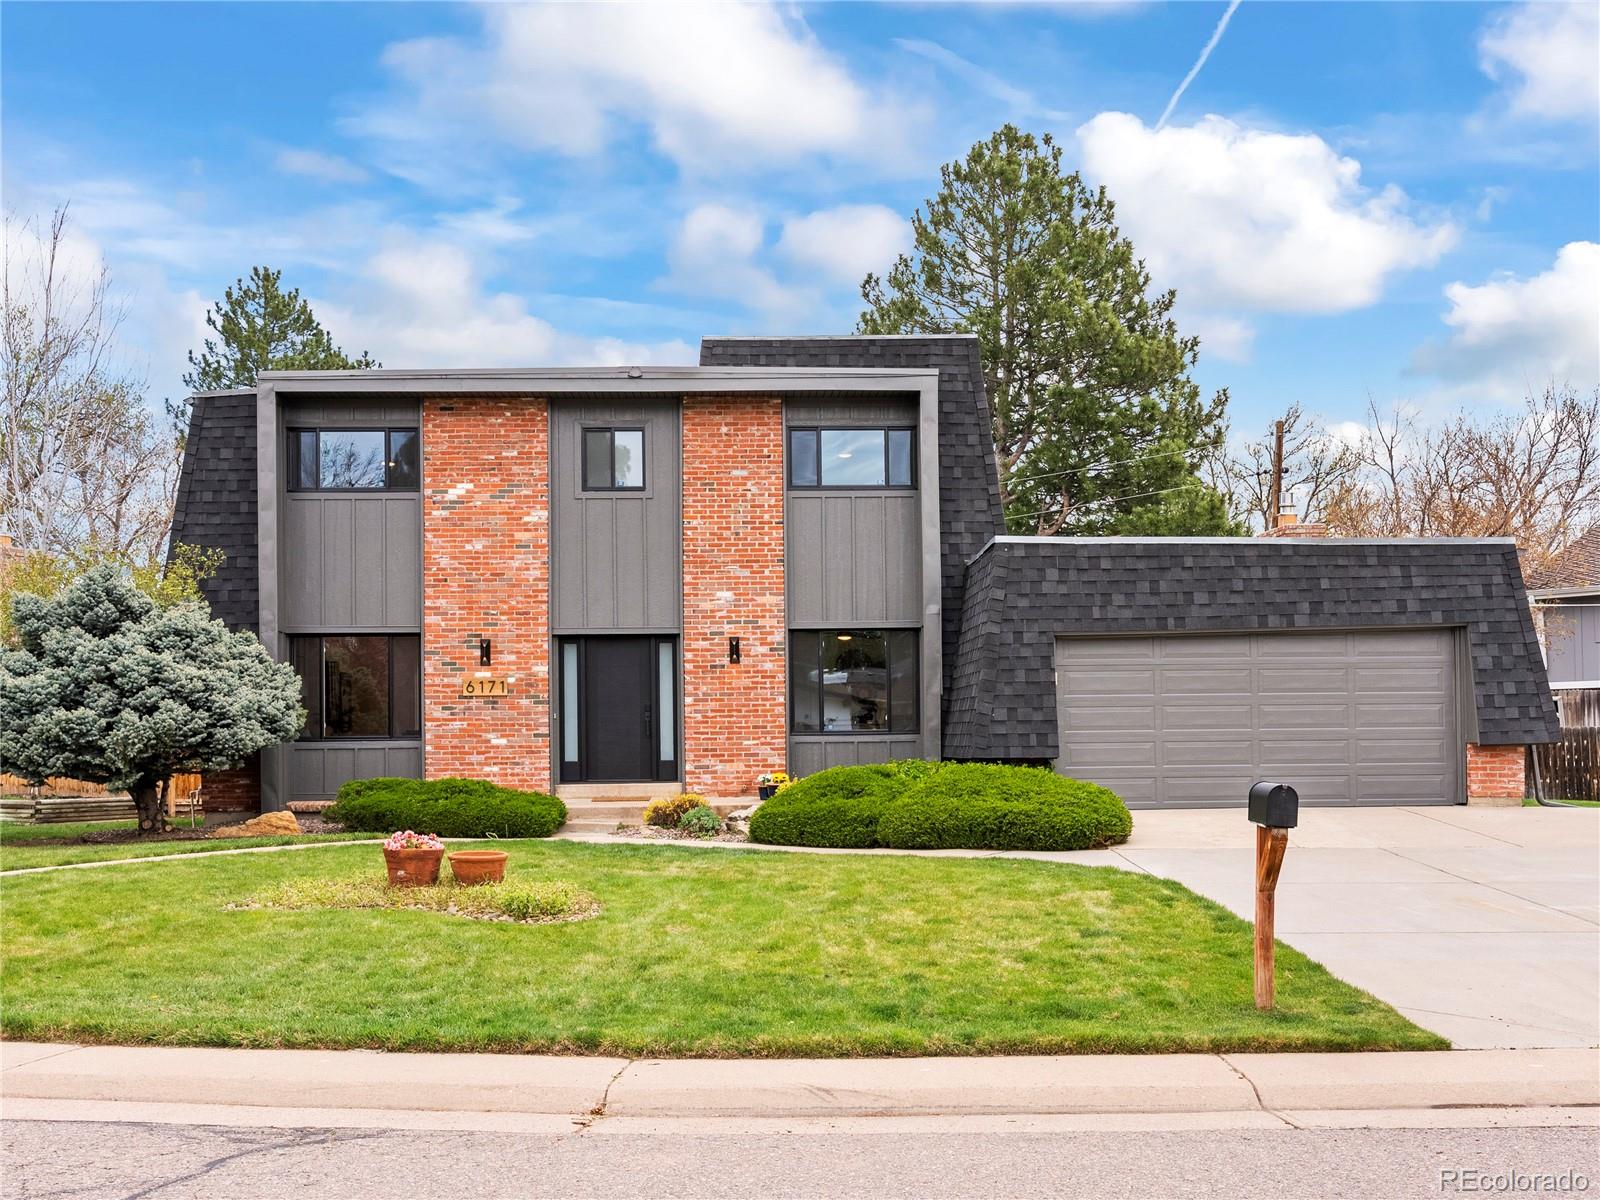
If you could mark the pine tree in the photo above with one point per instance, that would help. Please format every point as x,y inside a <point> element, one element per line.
<point>1097,426</point>
<point>264,328</point>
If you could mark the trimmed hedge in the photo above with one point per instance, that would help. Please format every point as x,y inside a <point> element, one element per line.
<point>836,807</point>
<point>446,807</point>
<point>992,807</point>
<point>943,806</point>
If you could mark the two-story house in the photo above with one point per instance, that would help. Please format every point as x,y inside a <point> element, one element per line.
<point>639,580</point>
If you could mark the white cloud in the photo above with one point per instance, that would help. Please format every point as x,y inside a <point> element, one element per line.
<point>314,164</point>
<point>715,253</point>
<point>423,303</point>
<point>1512,333</point>
<point>846,242</point>
<point>1547,58</point>
<point>1227,338</point>
<point>715,85</point>
<point>1241,218</point>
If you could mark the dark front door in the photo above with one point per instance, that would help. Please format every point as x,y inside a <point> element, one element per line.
<point>622,692</point>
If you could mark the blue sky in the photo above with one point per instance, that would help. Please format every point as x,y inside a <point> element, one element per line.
<point>1396,200</point>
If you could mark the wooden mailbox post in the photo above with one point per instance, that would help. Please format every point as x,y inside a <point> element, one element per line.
<point>1275,809</point>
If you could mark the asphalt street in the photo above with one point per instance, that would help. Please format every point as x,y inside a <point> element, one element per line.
<point>833,1159</point>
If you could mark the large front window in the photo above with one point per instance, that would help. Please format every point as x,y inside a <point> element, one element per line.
<point>338,460</point>
<point>853,681</point>
<point>360,685</point>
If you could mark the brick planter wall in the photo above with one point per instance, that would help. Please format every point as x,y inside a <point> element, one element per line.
<point>486,570</point>
<point>1495,774</point>
<point>733,713</point>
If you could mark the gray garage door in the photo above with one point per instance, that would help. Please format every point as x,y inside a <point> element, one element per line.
<point>1190,721</point>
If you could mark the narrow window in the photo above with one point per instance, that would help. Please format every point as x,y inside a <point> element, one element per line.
<point>900,467</point>
<point>613,460</point>
<point>804,698</point>
<point>803,458</point>
<point>666,701</point>
<point>405,466</point>
<point>569,702</point>
<point>303,459</point>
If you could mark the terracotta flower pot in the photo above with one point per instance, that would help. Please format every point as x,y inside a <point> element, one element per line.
<point>479,866</point>
<point>412,868</point>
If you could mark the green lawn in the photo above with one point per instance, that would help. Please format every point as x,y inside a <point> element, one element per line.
<point>1531,803</point>
<point>696,952</point>
<point>19,844</point>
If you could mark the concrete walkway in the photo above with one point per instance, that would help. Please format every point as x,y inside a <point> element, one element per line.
<point>794,1088</point>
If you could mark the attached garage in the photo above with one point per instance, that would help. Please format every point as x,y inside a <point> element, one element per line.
<point>1191,720</point>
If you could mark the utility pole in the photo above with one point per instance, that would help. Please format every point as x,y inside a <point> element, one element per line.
<point>1275,495</point>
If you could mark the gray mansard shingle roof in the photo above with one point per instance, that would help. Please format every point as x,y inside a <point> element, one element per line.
<point>216,502</point>
<point>1022,593</point>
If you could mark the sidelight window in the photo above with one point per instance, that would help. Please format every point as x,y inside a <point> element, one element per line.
<point>852,458</point>
<point>853,681</point>
<point>354,460</point>
<point>359,685</point>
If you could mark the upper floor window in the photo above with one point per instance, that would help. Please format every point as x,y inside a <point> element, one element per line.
<point>852,458</point>
<point>353,459</point>
<point>613,460</point>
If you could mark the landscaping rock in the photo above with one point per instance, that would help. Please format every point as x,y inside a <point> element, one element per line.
<point>267,824</point>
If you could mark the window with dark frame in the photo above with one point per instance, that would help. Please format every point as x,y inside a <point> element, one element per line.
<point>853,681</point>
<point>359,685</point>
<point>879,457</point>
<point>343,460</point>
<point>613,459</point>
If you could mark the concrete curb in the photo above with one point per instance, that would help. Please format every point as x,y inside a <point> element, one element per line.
<point>800,1088</point>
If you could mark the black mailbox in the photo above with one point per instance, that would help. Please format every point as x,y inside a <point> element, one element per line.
<point>1275,805</point>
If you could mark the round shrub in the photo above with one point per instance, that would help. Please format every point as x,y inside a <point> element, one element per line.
<point>446,807</point>
<point>983,806</point>
<point>700,821</point>
<point>836,807</point>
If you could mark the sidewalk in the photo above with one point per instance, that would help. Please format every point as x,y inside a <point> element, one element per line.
<point>587,1088</point>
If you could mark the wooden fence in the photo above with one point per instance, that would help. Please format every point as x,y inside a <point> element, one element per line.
<point>1570,769</point>
<point>12,785</point>
<point>77,800</point>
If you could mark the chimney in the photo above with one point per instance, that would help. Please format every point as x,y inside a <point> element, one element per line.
<point>1288,523</point>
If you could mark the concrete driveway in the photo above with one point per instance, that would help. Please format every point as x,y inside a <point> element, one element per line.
<point>1482,924</point>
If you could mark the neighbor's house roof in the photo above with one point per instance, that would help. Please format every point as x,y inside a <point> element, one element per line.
<point>1577,568</point>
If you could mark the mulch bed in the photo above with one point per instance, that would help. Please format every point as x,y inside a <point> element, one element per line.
<point>176,833</point>
<point>677,835</point>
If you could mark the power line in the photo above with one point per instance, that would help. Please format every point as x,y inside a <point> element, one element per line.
<point>1096,466</point>
<point>1112,500</point>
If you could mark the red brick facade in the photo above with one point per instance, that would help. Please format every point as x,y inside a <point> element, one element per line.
<point>734,722</point>
<point>238,790</point>
<point>1496,772</point>
<point>486,571</point>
